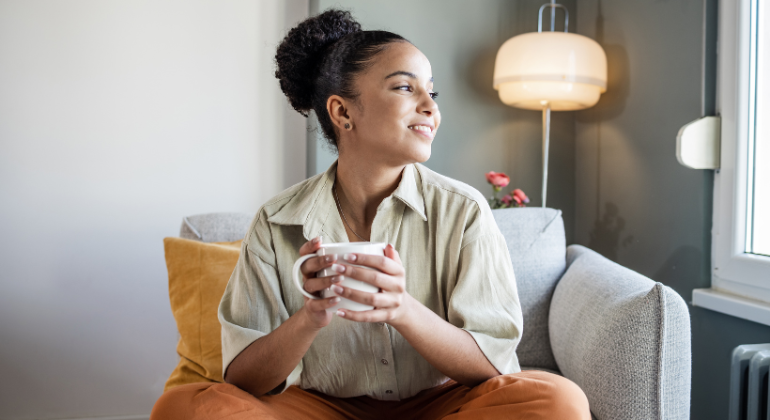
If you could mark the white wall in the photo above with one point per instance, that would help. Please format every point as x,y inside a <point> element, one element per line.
<point>118,118</point>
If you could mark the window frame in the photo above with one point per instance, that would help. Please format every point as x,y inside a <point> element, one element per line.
<point>733,270</point>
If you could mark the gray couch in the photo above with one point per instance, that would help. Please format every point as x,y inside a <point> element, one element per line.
<point>623,338</point>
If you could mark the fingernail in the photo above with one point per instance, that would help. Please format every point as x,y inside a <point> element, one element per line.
<point>338,268</point>
<point>335,300</point>
<point>336,279</point>
<point>328,258</point>
<point>350,257</point>
<point>316,239</point>
<point>338,290</point>
<point>340,313</point>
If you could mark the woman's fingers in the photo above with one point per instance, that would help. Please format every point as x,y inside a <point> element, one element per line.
<point>373,277</point>
<point>311,246</point>
<point>318,305</point>
<point>375,315</point>
<point>378,300</point>
<point>378,262</point>
<point>315,264</point>
<point>315,284</point>
<point>391,253</point>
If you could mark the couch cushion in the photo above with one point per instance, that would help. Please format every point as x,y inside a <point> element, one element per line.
<point>197,275</point>
<point>215,227</point>
<point>535,238</point>
<point>624,339</point>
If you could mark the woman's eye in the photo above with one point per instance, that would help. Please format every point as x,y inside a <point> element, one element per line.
<point>408,88</point>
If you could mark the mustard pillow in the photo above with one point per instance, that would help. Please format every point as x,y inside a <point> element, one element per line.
<point>197,275</point>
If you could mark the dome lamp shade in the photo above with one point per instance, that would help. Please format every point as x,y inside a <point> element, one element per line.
<point>569,71</point>
<point>548,71</point>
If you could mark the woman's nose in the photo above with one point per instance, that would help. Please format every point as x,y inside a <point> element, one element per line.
<point>427,105</point>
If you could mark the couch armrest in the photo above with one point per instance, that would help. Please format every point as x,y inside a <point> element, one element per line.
<point>623,338</point>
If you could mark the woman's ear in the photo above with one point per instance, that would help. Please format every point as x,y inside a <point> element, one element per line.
<point>337,107</point>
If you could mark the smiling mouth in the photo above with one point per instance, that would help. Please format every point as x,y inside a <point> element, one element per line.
<point>421,129</point>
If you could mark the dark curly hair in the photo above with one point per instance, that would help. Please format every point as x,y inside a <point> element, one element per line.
<point>320,57</point>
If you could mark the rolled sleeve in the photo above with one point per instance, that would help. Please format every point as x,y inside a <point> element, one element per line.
<point>252,305</point>
<point>485,300</point>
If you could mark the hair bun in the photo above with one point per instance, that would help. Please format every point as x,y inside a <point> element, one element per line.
<point>299,56</point>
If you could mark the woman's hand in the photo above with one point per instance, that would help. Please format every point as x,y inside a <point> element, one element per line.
<point>315,309</point>
<point>392,304</point>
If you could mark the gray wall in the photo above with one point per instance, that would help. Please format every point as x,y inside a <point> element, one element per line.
<point>634,203</point>
<point>478,132</point>
<point>614,170</point>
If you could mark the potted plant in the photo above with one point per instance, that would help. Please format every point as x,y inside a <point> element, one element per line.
<point>515,198</point>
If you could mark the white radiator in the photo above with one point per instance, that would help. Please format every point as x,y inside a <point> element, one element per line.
<point>749,382</point>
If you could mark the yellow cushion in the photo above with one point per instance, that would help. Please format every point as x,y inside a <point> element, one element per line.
<point>197,275</point>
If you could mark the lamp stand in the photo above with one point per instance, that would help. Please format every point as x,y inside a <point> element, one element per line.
<point>546,140</point>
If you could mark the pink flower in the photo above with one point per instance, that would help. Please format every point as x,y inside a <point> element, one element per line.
<point>517,199</point>
<point>522,198</point>
<point>498,179</point>
<point>507,199</point>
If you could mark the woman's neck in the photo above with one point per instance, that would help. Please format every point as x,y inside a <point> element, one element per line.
<point>361,186</point>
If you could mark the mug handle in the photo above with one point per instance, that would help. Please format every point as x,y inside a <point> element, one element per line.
<point>297,275</point>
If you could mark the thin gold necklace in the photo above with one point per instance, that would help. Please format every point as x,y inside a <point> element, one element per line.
<point>343,215</point>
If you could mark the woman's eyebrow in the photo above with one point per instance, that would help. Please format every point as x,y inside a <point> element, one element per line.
<point>404,73</point>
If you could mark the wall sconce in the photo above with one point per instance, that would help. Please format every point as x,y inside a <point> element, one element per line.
<point>550,71</point>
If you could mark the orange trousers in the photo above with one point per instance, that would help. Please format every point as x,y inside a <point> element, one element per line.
<point>526,395</point>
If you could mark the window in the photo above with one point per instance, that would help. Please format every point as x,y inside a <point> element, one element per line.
<point>758,192</point>
<point>740,282</point>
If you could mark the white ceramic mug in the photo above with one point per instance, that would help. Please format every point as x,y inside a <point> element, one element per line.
<point>342,248</point>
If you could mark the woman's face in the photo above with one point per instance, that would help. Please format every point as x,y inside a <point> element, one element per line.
<point>394,117</point>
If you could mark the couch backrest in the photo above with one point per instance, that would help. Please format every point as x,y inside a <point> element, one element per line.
<point>536,242</point>
<point>215,227</point>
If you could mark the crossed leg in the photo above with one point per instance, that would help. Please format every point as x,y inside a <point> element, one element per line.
<point>527,395</point>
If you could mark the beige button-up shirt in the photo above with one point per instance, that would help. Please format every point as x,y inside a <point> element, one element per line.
<point>456,262</point>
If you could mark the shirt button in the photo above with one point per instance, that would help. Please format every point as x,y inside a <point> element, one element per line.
<point>384,362</point>
<point>388,392</point>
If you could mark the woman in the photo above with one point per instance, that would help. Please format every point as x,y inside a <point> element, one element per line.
<point>441,339</point>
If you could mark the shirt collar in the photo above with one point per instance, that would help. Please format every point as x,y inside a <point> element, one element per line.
<point>409,191</point>
<point>312,204</point>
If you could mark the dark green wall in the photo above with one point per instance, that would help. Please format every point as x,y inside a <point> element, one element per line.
<point>614,171</point>
<point>634,202</point>
<point>478,132</point>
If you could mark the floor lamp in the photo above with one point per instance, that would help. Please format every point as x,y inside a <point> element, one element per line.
<point>550,71</point>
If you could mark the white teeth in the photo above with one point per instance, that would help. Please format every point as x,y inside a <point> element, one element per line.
<point>424,128</point>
